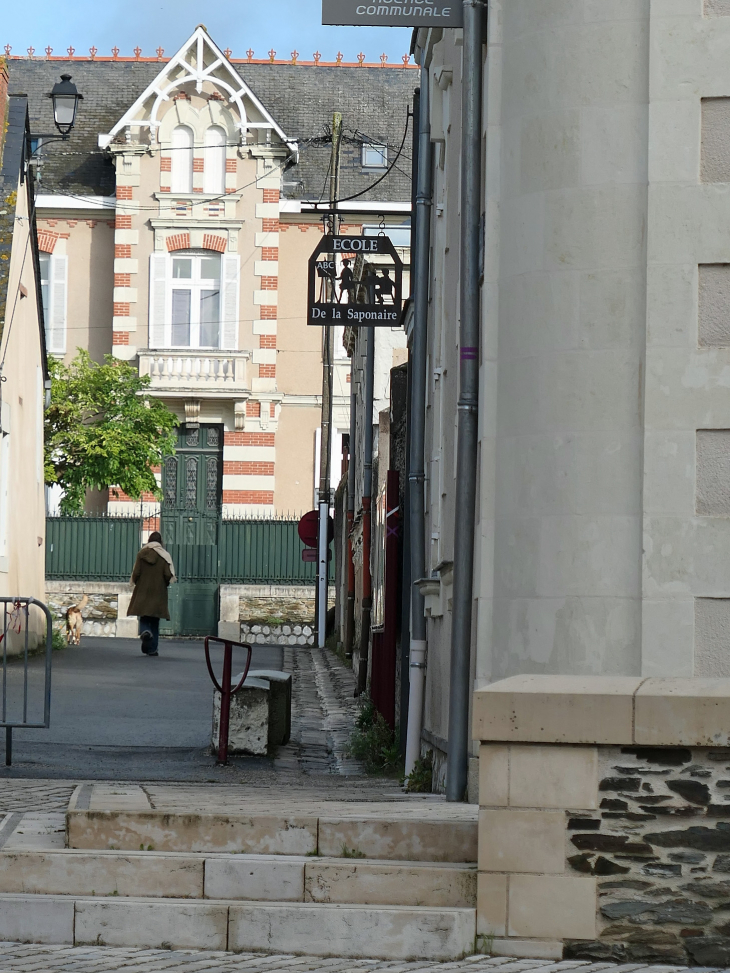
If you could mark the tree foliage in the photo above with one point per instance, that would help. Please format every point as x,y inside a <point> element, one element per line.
<point>103,428</point>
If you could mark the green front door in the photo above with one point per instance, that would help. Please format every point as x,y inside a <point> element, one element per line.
<point>190,517</point>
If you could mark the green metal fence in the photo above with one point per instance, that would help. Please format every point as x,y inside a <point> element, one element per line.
<point>249,552</point>
<point>91,548</point>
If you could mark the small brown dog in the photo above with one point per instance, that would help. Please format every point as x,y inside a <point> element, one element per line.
<point>75,621</point>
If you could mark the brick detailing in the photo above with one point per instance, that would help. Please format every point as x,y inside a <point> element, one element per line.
<point>117,495</point>
<point>122,280</point>
<point>123,222</point>
<point>269,283</point>
<point>253,409</point>
<point>212,242</point>
<point>267,341</point>
<point>269,253</point>
<point>122,250</point>
<point>248,469</point>
<point>165,189</point>
<point>120,337</point>
<point>198,165</point>
<point>151,523</point>
<point>197,189</point>
<point>268,313</point>
<point>124,192</point>
<point>178,241</point>
<point>231,189</point>
<point>165,163</point>
<point>249,439</point>
<point>270,226</point>
<point>47,241</point>
<point>271,195</point>
<point>348,378</point>
<point>248,496</point>
<point>267,371</point>
<point>121,309</point>
<point>231,165</point>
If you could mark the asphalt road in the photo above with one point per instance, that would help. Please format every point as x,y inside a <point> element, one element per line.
<point>117,714</point>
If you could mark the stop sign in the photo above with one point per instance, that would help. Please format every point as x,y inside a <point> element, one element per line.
<point>308,528</point>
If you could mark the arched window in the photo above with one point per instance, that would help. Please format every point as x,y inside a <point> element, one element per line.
<point>182,159</point>
<point>215,161</point>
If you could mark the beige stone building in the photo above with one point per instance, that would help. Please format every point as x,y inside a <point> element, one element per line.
<point>23,371</point>
<point>175,232</point>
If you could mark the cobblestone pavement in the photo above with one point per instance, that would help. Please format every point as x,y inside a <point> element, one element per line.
<point>99,959</point>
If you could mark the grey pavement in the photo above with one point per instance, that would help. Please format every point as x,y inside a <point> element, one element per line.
<point>99,959</point>
<point>117,714</point>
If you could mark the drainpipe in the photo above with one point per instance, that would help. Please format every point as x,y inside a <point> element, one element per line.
<point>350,616</point>
<point>468,413</point>
<point>416,474</point>
<point>367,492</point>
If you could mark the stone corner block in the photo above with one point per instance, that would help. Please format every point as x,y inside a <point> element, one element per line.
<point>512,840</point>
<point>37,919</point>
<point>557,709</point>
<point>528,948</point>
<point>550,906</point>
<point>494,775</point>
<point>553,776</point>
<point>491,905</point>
<point>683,712</point>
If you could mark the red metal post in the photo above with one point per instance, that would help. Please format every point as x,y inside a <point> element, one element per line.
<point>225,704</point>
<point>225,688</point>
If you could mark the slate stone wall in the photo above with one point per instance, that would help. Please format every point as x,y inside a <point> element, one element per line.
<point>659,846</point>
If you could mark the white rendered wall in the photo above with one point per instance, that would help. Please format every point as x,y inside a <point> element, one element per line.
<point>686,578</point>
<point>559,564</point>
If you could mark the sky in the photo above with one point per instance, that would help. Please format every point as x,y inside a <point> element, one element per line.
<point>284,25</point>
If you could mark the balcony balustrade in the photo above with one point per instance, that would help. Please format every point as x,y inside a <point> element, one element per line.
<point>181,371</point>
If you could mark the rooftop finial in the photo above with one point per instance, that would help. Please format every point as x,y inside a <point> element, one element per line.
<point>360,59</point>
<point>8,49</point>
<point>340,56</point>
<point>93,52</point>
<point>137,52</point>
<point>49,51</point>
<point>160,52</point>
<point>71,51</point>
<point>272,55</point>
<point>383,60</point>
<point>294,56</point>
<point>250,53</point>
<point>317,58</point>
<point>115,53</point>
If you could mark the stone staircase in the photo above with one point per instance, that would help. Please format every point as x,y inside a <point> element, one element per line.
<point>389,880</point>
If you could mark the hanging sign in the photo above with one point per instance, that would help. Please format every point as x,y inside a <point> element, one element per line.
<point>355,280</point>
<point>393,13</point>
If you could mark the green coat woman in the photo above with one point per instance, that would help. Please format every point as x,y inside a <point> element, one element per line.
<point>153,573</point>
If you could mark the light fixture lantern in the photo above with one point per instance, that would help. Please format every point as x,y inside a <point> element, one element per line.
<point>65,102</point>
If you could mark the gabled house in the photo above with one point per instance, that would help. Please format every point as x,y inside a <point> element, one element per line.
<point>23,372</point>
<point>175,230</point>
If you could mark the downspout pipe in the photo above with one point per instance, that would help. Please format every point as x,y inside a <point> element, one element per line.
<point>367,493</point>
<point>416,474</point>
<point>350,610</point>
<point>468,406</point>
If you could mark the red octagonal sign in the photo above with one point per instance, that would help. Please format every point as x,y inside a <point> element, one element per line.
<point>308,527</point>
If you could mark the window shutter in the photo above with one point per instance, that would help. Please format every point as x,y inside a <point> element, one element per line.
<point>229,301</point>
<point>158,300</point>
<point>56,328</point>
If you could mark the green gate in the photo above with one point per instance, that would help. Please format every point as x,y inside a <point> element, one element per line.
<point>190,525</point>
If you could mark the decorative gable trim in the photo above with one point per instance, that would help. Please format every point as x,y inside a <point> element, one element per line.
<point>199,60</point>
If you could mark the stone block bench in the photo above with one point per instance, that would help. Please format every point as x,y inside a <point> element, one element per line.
<point>604,823</point>
<point>260,715</point>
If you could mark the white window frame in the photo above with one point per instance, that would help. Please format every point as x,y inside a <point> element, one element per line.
<point>54,274</point>
<point>181,176</point>
<point>161,285</point>
<point>214,166</point>
<point>196,285</point>
<point>374,156</point>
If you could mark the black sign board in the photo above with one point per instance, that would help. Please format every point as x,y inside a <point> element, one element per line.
<point>393,13</point>
<point>355,280</point>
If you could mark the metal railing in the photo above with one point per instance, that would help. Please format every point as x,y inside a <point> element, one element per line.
<point>262,551</point>
<point>15,624</point>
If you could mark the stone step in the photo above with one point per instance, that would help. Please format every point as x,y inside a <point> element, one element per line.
<point>383,932</point>
<point>258,878</point>
<point>392,836</point>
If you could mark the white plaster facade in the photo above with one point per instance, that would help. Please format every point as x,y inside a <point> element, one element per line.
<point>604,512</point>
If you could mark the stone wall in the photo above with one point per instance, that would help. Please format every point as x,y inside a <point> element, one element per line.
<point>101,614</point>
<point>605,819</point>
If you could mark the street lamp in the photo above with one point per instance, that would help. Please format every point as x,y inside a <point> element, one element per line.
<point>65,102</point>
